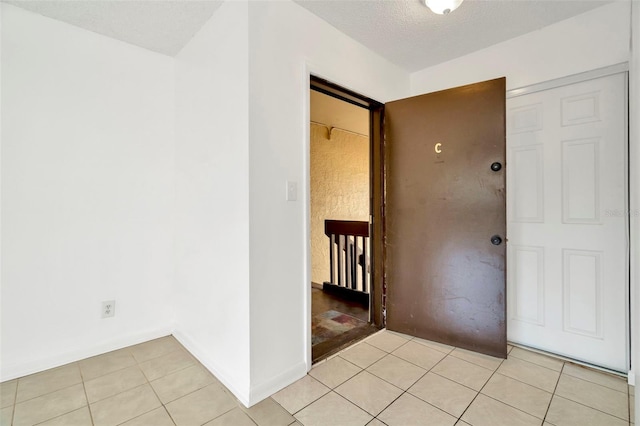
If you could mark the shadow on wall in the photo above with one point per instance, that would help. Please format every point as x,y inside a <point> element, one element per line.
<point>339,187</point>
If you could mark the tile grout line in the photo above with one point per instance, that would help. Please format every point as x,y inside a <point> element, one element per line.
<point>553,394</point>
<point>326,393</point>
<point>529,384</point>
<point>85,395</point>
<point>450,353</point>
<point>154,392</point>
<point>392,384</point>
<point>594,383</point>
<point>588,406</point>
<point>403,391</point>
<point>46,393</point>
<point>15,402</point>
<point>593,408</point>
<point>580,403</point>
<point>426,372</point>
<point>480,391</point>
<point>352,377</point>
<point>148,382</point>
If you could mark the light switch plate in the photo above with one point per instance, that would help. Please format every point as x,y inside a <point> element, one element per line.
<point>292,191</point>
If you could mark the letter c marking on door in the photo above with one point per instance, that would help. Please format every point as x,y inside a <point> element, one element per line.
<point>438,148</point>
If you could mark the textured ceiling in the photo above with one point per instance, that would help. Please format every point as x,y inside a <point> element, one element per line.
<point>411,36</point>
<point>403,31</point>
<point>332,113</point>
<point>158,25</point>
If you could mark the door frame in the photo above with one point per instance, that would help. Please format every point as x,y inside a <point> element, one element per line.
<point>621,68</point>
<point>376,191</point>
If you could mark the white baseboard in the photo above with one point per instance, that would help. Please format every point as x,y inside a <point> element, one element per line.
<point>212,366</point>
<point>281,381</point>
<point>36,365</point>
<point>631,378</point>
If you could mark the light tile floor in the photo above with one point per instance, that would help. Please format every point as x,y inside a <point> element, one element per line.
<point>389,379</point>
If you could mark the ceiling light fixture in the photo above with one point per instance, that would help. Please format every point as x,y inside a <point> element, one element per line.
<point>443,7</point>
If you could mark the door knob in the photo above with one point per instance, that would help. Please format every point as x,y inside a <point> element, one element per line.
<point>496,166</point>
<point>496,240</point>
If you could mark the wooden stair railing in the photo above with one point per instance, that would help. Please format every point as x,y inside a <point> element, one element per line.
<point>349,259</point>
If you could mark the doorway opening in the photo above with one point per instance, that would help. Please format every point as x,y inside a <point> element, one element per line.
<point>344,145</point>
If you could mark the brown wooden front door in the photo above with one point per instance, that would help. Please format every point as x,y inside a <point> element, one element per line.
<point>445,216</point>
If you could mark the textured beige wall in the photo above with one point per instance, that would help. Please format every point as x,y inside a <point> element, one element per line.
<point>339,188</point>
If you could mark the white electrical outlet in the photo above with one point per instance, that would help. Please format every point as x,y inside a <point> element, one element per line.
<point>108,308</point>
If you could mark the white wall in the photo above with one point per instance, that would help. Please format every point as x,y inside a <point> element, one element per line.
<point>634,191</point>
<point>87,192</point>
<point>594,39</point>
<point>287,42</point>
<point>212,197</point>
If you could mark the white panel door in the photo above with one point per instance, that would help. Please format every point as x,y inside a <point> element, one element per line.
<point>567,265</point>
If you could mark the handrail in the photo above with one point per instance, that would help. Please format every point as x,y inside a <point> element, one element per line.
<point>346,227</point>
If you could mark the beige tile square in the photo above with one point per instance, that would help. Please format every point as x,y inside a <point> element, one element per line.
<point>79,417</point>
<point>519,395</point>
<point>463,372</point>
<point>397,371</point>
<point>443,393</point>
<point>593,395</point>
<point>486,361</point>
<point>409,411</point>
<point>269,413</point>
<point>235,417</point>
<point>180,383</point>
<point>201,406</point>
<point>124,406</point>
<point>563,412</point>
<point>113,383</point>
<point>157,417</point>
<point>434,345</point>
<point>166,364</point>
<point>334,371</point>
<point>300,394</point>
<point>375,422</point>
<point>632,390</point>
<point>590,375</point>
<point>362,355</point>
<point>632,409</point>
<point>8,393</point>
<point>155,348</point>
<point>6,416</point>
<point>48,381</point>
<point>485,411</point>
<point>369,392</point>
<point>48,406</point>
<point>332,409</point>
<point>529,373</point>
<point>536,358</point>
<point>386,341</point>
<point>107,363</point>
<point>509,349</point>
<point>418,354</point>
